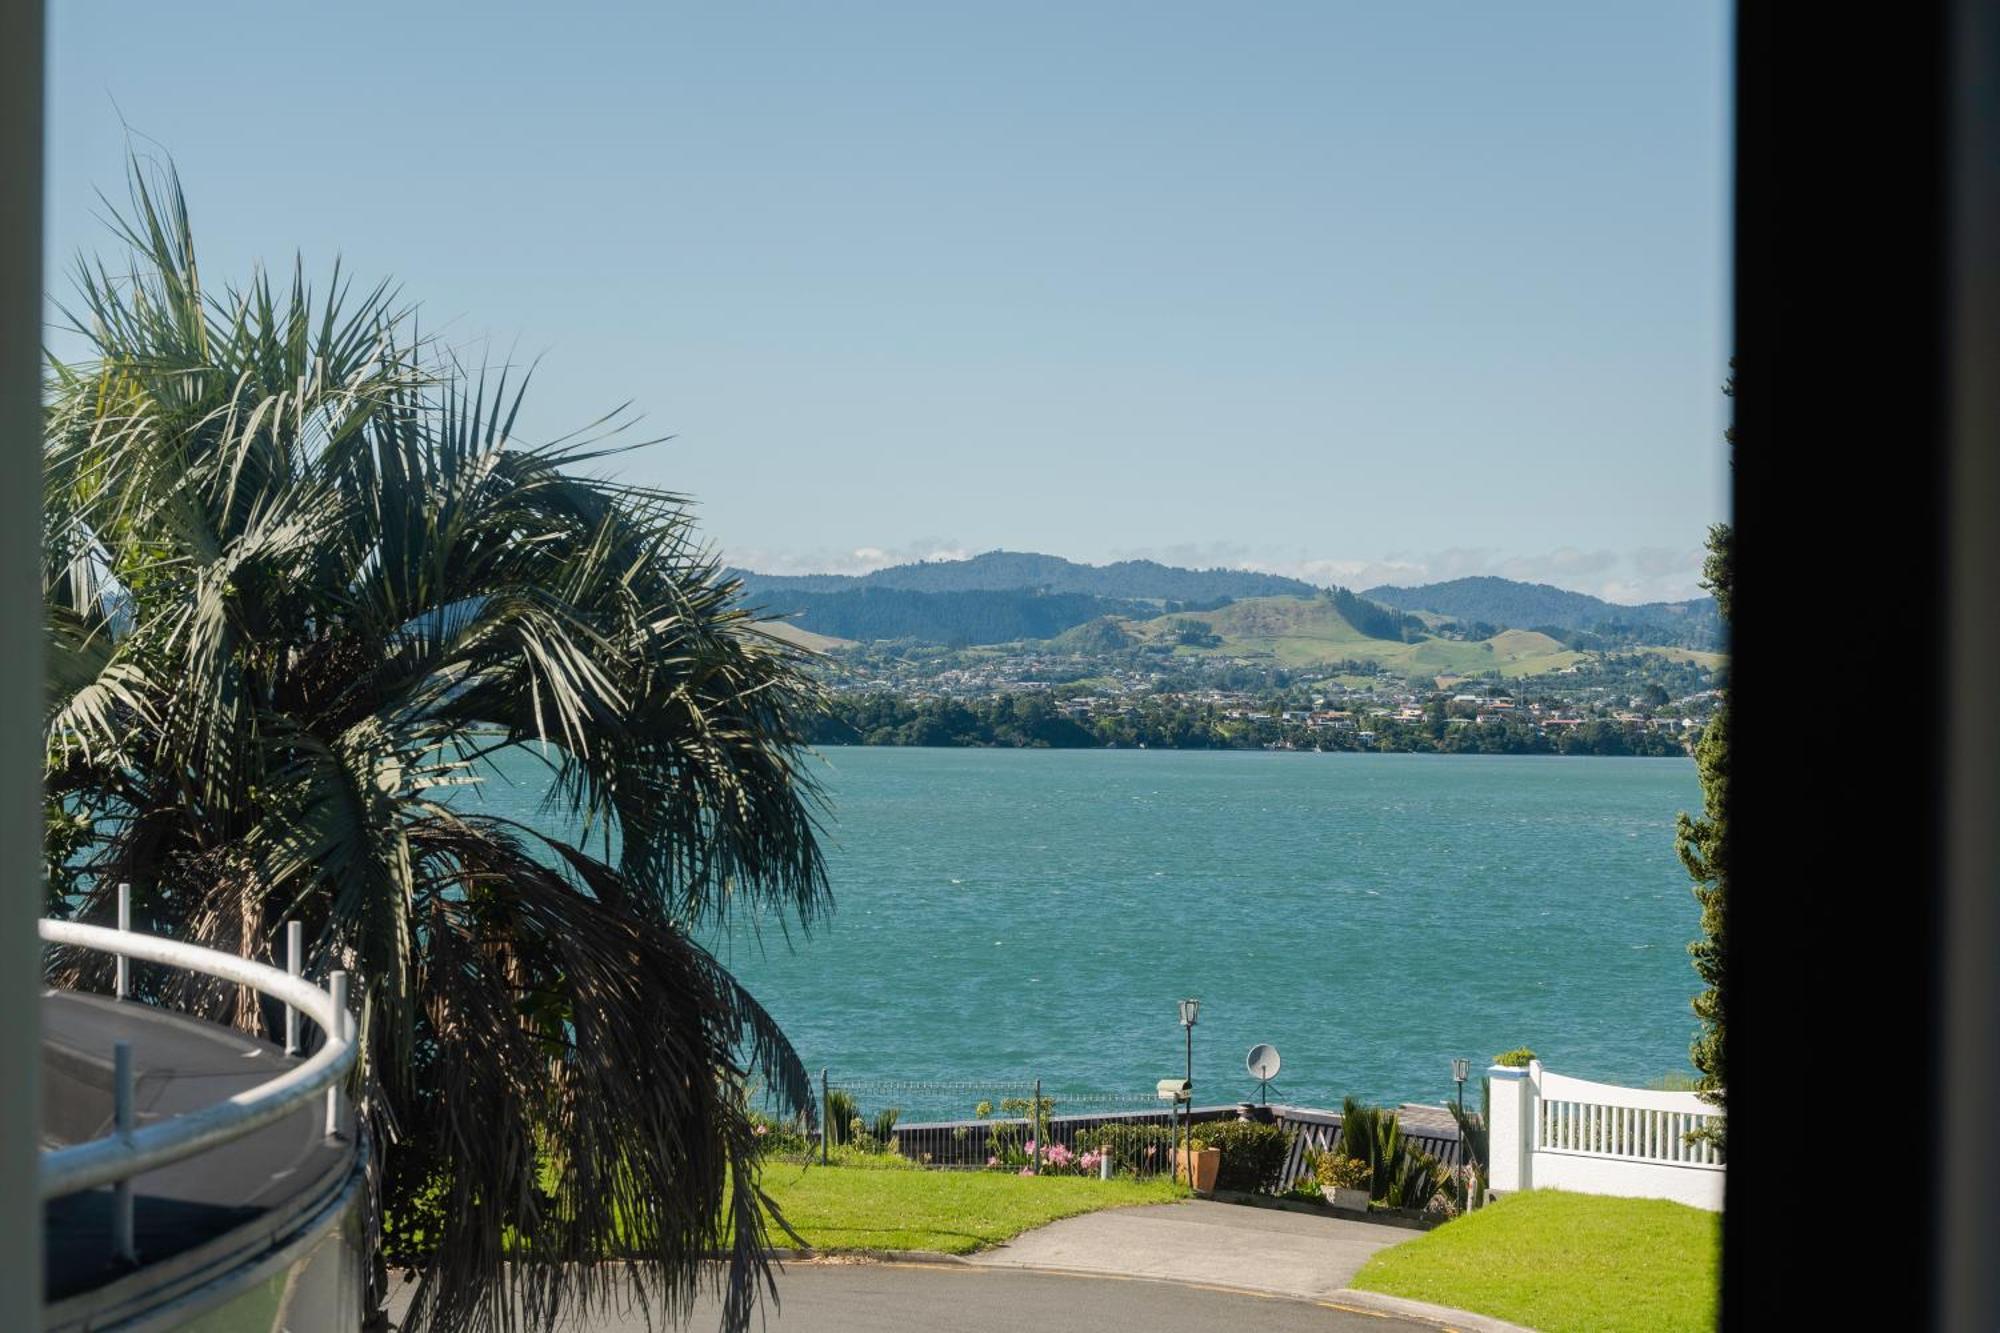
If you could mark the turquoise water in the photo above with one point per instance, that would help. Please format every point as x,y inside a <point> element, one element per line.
<point>1022,914</point>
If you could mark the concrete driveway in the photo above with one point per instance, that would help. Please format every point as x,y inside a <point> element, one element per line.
<point>1189,1267</point>
<point>892,1297</point>
<point>1201,1241</point>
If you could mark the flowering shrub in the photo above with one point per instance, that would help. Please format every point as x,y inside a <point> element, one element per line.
<point>1056,1159</point>
<point>778,1138</point>
<point>1347,1173</point>
<point>1132,1147</point>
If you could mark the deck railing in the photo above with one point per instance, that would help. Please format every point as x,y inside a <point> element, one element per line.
<point>128,1151</point>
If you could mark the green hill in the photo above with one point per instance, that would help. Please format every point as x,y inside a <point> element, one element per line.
<point>803,638</point>
<point>1311,631</point>
<point>1106,634</point>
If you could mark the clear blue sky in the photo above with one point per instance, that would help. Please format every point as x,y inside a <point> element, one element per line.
<point>1364,291</point>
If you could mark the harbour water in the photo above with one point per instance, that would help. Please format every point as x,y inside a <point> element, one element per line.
<point>1021,914</point>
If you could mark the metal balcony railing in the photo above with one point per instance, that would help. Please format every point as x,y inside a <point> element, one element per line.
<point>130,1151</point>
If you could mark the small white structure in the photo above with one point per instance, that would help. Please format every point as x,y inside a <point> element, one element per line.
<point>1553,1132</point>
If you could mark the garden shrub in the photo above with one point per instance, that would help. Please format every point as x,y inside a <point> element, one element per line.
<point>841,1113</point>
<point>1347,1173</point>
<point>779,1138</point>
<point>1517,1058</point>
<point>884,1128</point>
<point>1253,1154</point>
<point>1401,1175</point>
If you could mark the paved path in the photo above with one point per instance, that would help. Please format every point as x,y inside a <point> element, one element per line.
<point>892,1297</point>
<point>1199,1240</point>
<point>1190,1267</point>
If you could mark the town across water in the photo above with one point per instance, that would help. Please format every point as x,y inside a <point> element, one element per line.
<point>1006,915</point>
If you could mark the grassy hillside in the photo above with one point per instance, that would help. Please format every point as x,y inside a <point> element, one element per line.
<point>804,638</point>
<point>1310,631</point>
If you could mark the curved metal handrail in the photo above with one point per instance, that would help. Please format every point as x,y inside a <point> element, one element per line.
<point>118,1157</point>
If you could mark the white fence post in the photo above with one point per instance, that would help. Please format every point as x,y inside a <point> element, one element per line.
<point>1508,1145</point>
<point>124,986</point>
<point>336,986</point>
<point>295,953</point>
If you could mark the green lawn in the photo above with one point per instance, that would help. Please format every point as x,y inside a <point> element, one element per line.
<point>892,1207</point>
<point>1557,1261</point>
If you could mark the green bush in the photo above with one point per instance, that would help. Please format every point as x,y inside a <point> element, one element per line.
<point>1253,1154</point>
<point>1347,1173</point>
<point>1515,1059</point>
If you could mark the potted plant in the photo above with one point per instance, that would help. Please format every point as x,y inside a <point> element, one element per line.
<point>1344,1182</point>
<point>1198,1164</point>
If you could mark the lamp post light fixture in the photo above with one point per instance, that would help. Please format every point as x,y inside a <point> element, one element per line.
<point>1189,1009</point>
<point>1460,1067</point>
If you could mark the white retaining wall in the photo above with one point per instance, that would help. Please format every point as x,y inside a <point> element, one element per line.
<point>1550,1131</point>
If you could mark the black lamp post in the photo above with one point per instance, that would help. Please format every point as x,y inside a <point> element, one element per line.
<point>1189,1009</point>
<point>1460,1067</point>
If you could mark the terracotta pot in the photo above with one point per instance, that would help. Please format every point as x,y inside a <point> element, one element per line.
<point>1207,1163</point>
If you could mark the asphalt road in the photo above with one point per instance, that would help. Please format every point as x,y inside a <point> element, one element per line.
<point>889,1297</point>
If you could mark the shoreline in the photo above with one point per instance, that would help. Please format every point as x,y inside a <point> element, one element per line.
<point>1245,749</point>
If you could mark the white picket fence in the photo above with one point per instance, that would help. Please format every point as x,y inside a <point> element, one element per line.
<point>1550,1131</point>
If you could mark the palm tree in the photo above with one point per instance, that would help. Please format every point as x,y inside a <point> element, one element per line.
<point>300,584</point>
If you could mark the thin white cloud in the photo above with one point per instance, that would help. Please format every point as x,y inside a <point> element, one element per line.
<point>854,560</point>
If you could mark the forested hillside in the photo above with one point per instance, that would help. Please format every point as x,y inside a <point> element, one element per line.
<point>1002,571</point>
<point>1575,617</point>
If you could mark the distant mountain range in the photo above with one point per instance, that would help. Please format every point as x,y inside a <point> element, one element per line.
<point>1504,603</point>
<point>1007,596</point>
<point>1014,571</point>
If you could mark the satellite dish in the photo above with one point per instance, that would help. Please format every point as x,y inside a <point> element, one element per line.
<point>1262,1062</point>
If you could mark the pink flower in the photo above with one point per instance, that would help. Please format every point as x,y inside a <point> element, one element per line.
<point>761,1130</point>
<point>993,1161</point>
<point>1027,1170</point>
